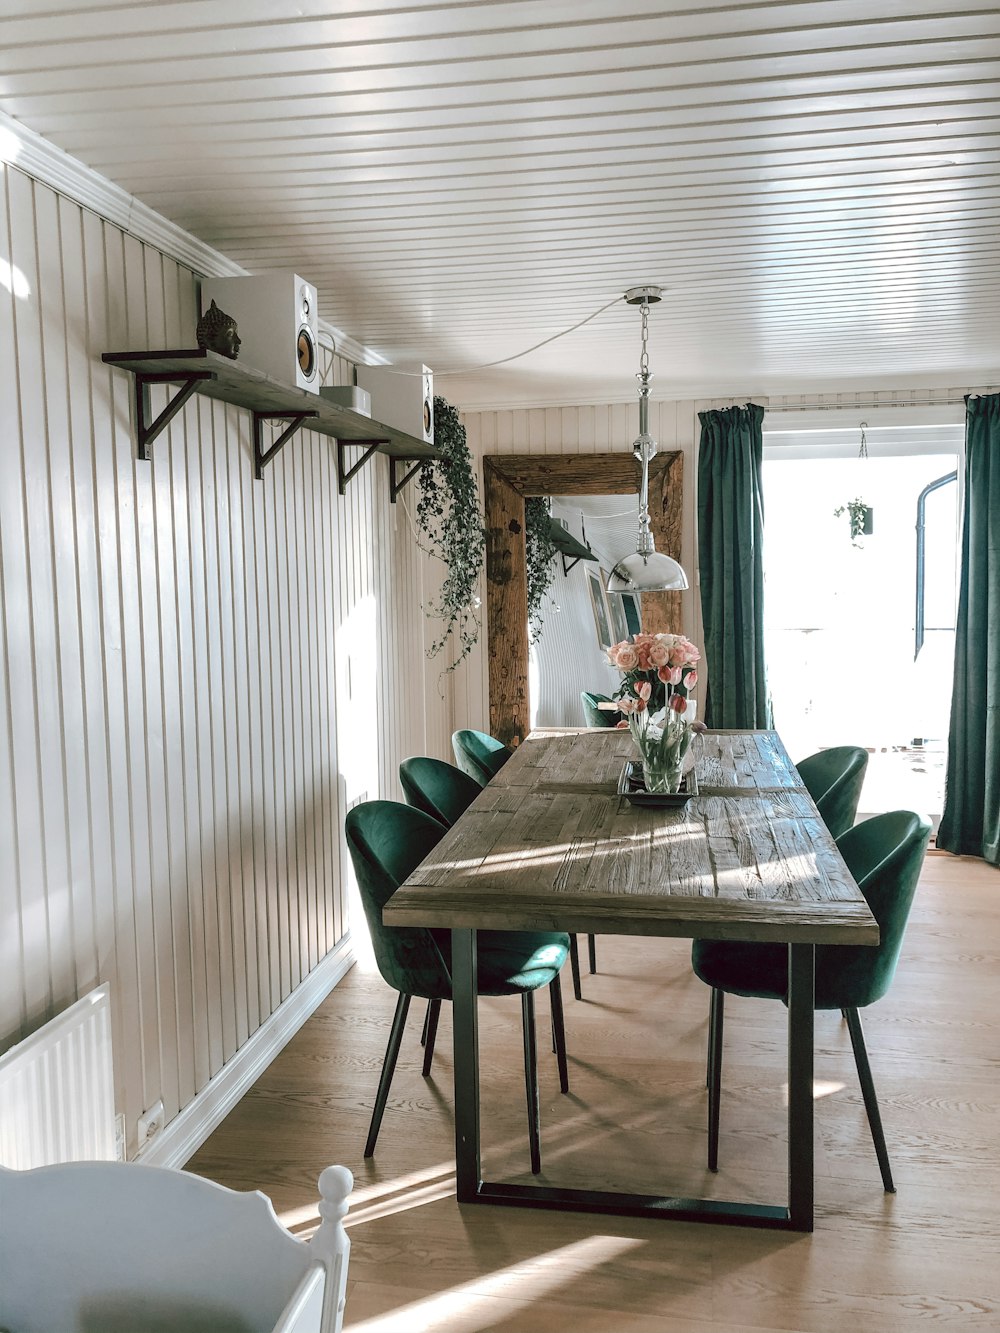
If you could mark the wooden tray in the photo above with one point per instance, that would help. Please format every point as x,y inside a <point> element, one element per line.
<point>633,788</point>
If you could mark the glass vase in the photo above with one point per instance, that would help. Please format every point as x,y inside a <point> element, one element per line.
<point>662,773</point>
<point>662,747</point>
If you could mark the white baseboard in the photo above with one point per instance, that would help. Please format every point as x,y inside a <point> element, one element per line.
<point>184,1135</point>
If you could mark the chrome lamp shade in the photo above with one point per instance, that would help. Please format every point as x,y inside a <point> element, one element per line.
<point>645,570</point>
<point>647,573</point>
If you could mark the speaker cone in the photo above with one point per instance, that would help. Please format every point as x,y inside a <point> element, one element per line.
<point>306,351</point>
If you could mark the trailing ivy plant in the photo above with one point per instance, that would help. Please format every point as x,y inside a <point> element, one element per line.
<point>540,551</point>
<point>450,520</point>
<point>857,513</point>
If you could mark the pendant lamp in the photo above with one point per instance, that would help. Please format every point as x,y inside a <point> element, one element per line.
<point>645,570</point>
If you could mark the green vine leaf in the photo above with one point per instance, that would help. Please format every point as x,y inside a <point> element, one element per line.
<point>449,519</point>
<point>540,551</point>
<point>857,513</point>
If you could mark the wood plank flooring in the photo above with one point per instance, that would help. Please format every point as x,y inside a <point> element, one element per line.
<point>925,1258</point>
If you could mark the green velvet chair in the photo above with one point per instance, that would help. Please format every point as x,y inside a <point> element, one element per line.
<point>387,841</point>
<point>480,755</point>
<point>445,792</point>
<point>594,716</point>
<point>884,854</point>
<point>438,789</point>
<point>834,779</point>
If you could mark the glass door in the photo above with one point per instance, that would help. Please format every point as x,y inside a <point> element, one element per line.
<point>861,562</point>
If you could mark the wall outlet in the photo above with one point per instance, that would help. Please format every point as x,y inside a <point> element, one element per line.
<point>120,1151</point>
<point>150,1124</point>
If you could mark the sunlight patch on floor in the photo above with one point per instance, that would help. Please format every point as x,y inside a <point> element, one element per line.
<point>461,1309</point>
<point>441,1177</point>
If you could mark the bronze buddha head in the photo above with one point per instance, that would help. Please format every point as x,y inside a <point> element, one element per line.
<point>217,331</point>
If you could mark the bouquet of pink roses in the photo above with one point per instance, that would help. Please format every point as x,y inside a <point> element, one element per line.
<point>658,670</point>
<point>658,675</point>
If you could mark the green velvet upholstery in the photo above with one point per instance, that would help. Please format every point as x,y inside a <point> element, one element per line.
<point>387,841</point>
<point>445,792</point>
<point>884,854</point>
<point>594,716</point>
<point>970,821</point>
<point>834,779</point>
<point>439,789</point>
<point>480,755</point>
<point>731,565</point>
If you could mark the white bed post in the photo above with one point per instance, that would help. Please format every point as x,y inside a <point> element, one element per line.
<point>331,1244</point>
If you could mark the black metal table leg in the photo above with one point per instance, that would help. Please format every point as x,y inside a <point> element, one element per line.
<point>466,1033</point>
<point>471,1188</point>
<point>801,1009</point>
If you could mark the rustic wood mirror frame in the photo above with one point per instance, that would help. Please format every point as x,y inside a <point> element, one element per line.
<point>508,479</point>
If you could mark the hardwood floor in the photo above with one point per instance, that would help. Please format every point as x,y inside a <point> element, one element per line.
<point>925,1258</point>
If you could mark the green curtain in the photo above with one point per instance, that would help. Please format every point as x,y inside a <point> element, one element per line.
<point>730,559</point>
<point>970,823</point>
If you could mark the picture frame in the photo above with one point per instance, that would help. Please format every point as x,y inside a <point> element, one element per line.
<point>625,609</point>
<point>599,604</point>
<point>632,611</point>
<point>619,624</point>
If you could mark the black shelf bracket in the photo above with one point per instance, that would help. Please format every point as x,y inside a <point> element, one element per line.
<point>262,456</point>
<point>395,486</point>
<point>569,564</point>
<point>146,430</point>
<point>345,473</point>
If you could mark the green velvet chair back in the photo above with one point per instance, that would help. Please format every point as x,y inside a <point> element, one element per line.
<point>597,717</point>
<point>438,789</point>
<point>834,779</point>
<point>387,841</point>
<point>885,855</point>
<point>480,755</point>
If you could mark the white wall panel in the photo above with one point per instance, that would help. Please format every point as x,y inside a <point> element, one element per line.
<point>181,646</point>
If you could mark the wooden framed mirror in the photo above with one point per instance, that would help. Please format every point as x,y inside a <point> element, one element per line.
<point>509,479</point>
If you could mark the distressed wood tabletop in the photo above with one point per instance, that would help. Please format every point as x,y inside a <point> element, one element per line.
<point>549,844</point>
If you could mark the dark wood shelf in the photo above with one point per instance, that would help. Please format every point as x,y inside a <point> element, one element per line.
<point>198,370</point>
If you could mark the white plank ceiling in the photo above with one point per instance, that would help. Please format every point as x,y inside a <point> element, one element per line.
<point>814,183</point>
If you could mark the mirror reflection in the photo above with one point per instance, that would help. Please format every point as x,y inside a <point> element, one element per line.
<point>578,619</point>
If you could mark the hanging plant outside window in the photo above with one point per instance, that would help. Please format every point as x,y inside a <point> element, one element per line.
<point>540,551</point>
<point>860,518</point>
<point>450,521</point>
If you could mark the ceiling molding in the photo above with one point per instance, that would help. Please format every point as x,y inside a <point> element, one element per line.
<point>37,157</point>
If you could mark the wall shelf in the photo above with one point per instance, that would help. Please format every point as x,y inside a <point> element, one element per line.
<point>567,545</point>
<point>198,370</point>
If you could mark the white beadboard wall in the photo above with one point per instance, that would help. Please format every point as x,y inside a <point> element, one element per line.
<point>198,672</point>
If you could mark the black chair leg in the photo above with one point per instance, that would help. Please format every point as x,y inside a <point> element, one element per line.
<point>559,1032</point>
<point>531,1079</point>
<point>714,1076</point>
<point>427,1023</point>
<point>388,1069</point>
<point>592,948</point>
<point>430,1032</point>
<point>868,1092</point>
<point>574,963</point>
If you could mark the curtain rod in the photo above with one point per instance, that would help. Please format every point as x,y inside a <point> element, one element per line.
<point>867,406</point>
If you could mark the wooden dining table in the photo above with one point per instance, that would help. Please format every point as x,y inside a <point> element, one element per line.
<point>551,844</point>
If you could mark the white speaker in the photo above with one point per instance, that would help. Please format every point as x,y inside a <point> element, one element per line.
<point>277,322</point>
<point>402,396</point>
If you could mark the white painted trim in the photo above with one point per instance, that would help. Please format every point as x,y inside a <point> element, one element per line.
<point>34,155</point>
<point>185,1134</point>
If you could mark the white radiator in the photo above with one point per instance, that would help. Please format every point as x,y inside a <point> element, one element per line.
<point>57,1094</point>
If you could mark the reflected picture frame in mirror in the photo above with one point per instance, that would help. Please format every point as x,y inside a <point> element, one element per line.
<point>602,612</point>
